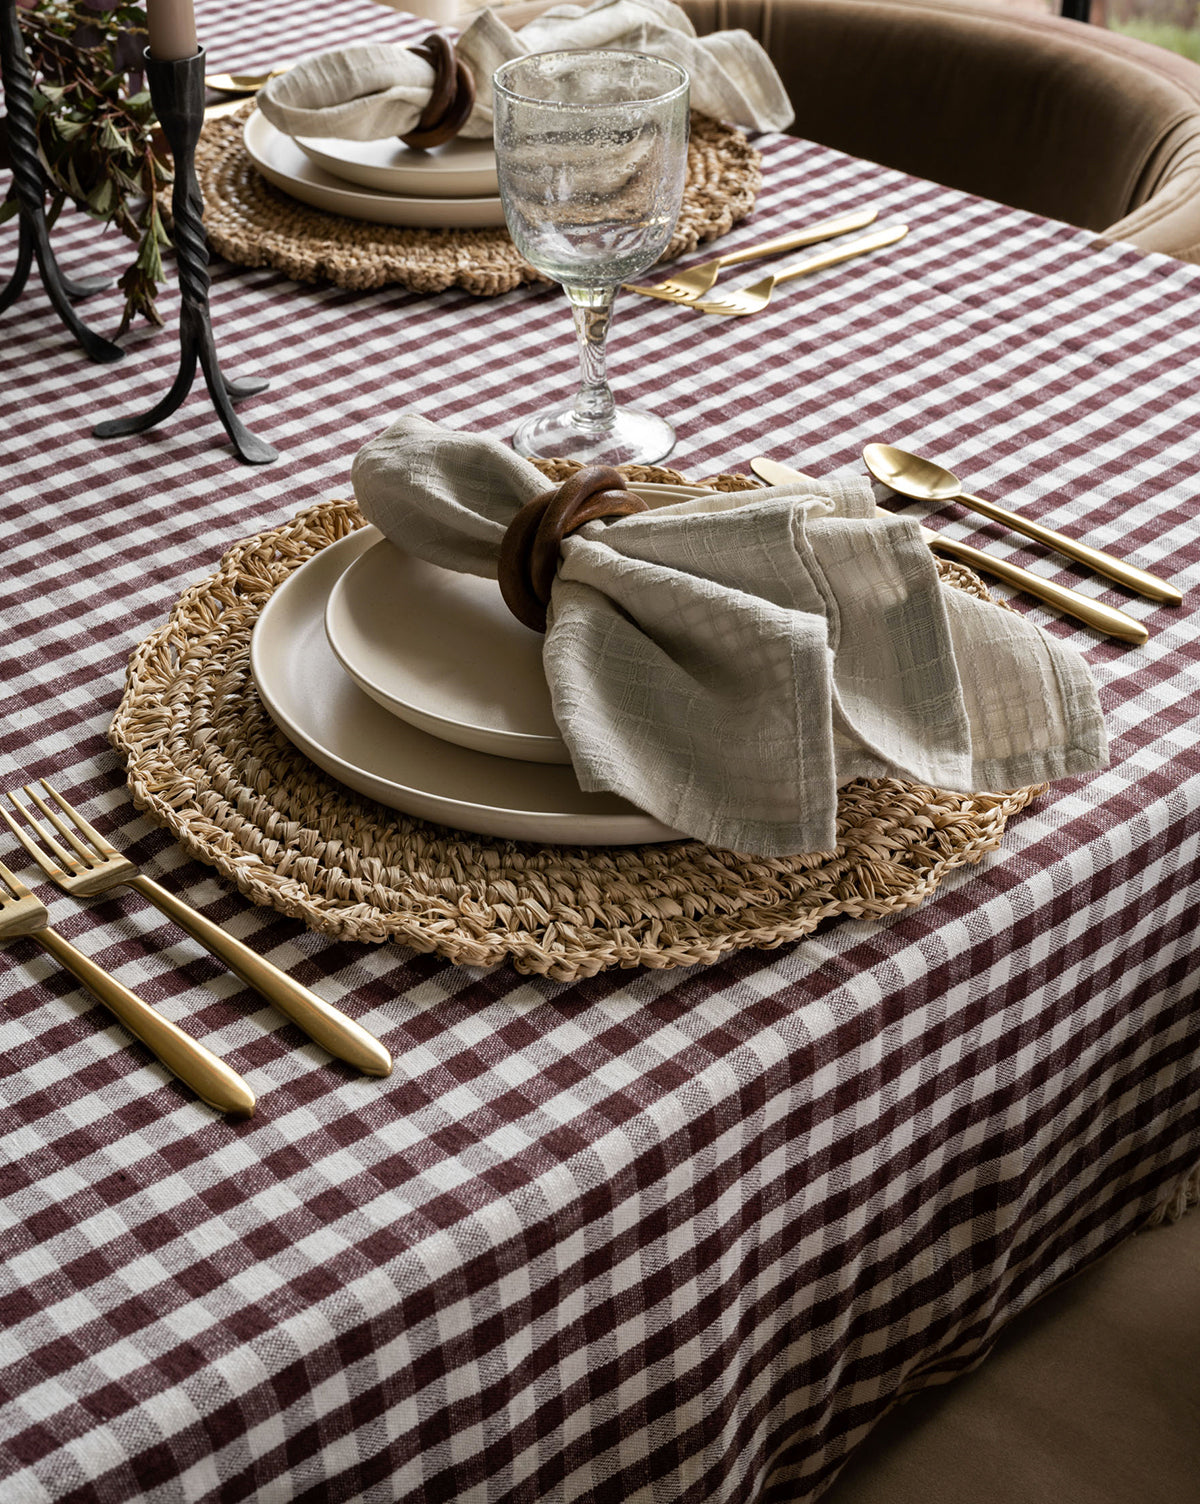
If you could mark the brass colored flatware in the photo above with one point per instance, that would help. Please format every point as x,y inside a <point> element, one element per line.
<point>92,866</point>
<point>922,480</point>
<point>686,287</point>
<point>1093,613</point>
<point>241,83</point>
<point>21,913</point>
<point>754,299</point>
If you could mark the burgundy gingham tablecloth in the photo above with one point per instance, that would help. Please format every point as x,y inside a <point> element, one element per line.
<point>655,1236</point>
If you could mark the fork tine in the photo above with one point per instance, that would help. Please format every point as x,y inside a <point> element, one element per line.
<point>67,860</point>
<point>99,847</point>
<point>64,830</point>
<point>40,857</point>
<point>13,883</point>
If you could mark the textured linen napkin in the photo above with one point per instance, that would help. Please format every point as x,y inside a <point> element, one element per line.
<point>371,90</point>
<point>726,663</point>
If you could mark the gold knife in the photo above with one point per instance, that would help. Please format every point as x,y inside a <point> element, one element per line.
<point>1093,613</point>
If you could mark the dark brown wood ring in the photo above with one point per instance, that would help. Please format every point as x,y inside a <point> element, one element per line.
<point>451,99</point>
<point>437,51</point>
<point>529,551</point>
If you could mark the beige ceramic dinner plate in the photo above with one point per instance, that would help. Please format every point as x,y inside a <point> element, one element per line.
<point>441,650</point>
<point>281,161</point>
<point>459,169</point>
<point>356,741</point>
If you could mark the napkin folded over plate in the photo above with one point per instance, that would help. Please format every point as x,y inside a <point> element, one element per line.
<point>369,91</point>
<point>726,663</point>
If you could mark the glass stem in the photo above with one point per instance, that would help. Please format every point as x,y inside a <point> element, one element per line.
<point>592,310</point>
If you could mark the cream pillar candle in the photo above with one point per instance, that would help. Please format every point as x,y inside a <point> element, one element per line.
<point>172,28</point>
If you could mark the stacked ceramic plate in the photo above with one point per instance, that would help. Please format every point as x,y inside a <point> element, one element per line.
<point>385,182</point>
<point>416,686</point>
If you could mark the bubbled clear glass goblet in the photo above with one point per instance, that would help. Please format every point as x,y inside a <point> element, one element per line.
<point>591,150</point>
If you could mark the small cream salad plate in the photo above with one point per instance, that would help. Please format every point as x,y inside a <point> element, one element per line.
<point>441,650</point>
<point>282,162</point>
<point>461,168</point>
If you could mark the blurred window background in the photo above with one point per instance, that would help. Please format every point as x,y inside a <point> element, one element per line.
<point>1173,24</point>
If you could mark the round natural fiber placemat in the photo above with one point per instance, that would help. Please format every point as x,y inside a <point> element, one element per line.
<point>252,223</point>
<point>205,758</point>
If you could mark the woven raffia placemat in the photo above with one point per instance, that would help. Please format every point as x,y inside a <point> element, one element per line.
<point>252,223</point>
<point>207,761</point>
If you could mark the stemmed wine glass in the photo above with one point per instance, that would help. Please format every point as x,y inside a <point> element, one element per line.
<point>591,150</point>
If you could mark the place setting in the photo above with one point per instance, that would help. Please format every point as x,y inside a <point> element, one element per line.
<point>525,650</point>
<point>524,653</point>
<point>392,146</point>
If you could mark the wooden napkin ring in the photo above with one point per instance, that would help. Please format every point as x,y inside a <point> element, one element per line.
<point>529,549</point>
<point>451,99</point>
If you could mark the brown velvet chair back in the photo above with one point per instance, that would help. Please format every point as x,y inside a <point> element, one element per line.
<point>1067,120</point>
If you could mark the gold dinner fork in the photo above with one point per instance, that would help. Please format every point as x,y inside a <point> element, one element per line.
<point>92,866</point>
<point>754,299</point>
<point>21,913</point>
<point>686,287</point>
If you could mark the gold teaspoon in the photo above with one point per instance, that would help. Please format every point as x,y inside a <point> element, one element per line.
<point>922,480</point>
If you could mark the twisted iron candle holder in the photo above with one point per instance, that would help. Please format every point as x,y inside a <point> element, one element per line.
<point>29,189</point>
<point>177,89</point>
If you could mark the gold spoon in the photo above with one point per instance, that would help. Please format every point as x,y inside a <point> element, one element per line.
<point>922,480</point>
<point>1094,613</point>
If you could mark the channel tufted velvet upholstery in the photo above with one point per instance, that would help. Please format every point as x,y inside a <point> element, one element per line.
<point>1070,121</point>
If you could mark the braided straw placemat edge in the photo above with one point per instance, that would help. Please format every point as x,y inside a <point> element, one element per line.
<point>252,223</point>
<point>205,759</point>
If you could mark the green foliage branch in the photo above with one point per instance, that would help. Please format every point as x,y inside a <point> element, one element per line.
<point>95,125</point>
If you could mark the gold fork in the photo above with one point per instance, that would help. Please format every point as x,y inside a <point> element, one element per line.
<point>754,299</point>
<point>21,913</point>
<point>92,866</point>
<point>686,287</point>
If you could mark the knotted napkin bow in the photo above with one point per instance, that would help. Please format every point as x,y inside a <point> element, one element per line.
<point>726,663</point>
<point>368,91</point>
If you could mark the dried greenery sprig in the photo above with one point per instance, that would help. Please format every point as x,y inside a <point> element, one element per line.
<point>96,124</point>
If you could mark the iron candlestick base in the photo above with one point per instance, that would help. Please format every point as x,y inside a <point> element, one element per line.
<point>29,189</point>
<point>177,89</point>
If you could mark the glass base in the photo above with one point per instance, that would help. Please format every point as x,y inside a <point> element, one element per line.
<point>634,438</point>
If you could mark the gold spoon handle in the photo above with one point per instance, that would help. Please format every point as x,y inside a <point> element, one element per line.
<point>1092,613</point>
<point>825,230</point>
<point>210,1078</point>
<point>1115,569</point>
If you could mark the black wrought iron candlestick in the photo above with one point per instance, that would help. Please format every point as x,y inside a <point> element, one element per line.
<point>177,90</point>
<point>29,188</point>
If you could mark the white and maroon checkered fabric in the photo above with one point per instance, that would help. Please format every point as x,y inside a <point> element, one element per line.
<point>654,1236</point>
